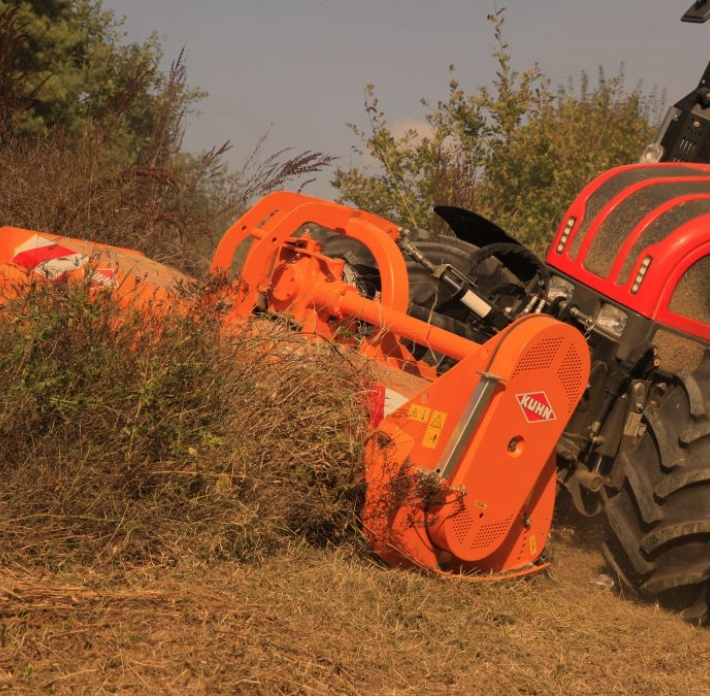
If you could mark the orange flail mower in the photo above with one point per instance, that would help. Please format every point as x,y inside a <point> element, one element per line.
<point>460,468</point>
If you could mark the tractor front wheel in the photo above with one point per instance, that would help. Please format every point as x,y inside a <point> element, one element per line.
<point>659,542</point>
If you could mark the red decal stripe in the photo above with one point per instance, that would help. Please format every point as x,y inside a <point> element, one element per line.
<point>33,257</point>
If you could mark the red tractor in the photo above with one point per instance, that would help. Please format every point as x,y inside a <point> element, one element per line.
<point>629,268</point>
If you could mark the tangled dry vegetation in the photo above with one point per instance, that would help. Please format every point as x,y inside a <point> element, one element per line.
<point>178,514</point>
<point>133,438</point>
<point>174,210</point>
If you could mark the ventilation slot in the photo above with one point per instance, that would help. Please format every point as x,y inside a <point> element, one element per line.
<point>539,357</point>
<point>461,523</point>
<point>490,534</point>
<point>570,374</point>
<point>688,146</point>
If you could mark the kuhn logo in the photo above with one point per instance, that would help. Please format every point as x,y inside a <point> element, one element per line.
<point>536,407</point>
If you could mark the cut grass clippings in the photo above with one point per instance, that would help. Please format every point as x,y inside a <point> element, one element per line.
<point>311,621</point>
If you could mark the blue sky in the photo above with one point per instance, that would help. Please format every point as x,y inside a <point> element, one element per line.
<point>299,67</point>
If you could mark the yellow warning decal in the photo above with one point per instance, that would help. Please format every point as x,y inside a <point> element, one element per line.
<point>533,544</point>
<point>438,418</point>
<point>419,413</point>
<point>433,432</point>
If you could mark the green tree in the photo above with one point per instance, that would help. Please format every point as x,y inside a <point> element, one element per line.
<point>91,133</point>
<point>68,61</point>
<point>517,151</point>
<point>535,174</point>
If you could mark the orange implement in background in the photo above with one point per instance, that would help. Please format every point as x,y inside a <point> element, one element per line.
<point>26,255</point>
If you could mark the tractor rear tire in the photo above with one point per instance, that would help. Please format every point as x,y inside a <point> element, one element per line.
<point>659,539</point>
<point>424,290</point>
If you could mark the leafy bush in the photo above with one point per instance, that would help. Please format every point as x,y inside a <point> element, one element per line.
<point>516,151</point>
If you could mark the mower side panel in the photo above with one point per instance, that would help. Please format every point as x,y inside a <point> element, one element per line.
<point>462,476</point>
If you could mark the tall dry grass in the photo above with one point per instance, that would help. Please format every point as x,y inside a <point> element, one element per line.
<point>136,439</point>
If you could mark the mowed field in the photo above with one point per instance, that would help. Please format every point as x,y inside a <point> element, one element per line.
<point>333,621</point>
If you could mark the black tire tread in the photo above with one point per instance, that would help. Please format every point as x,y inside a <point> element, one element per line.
<point>424,290</point>
<point>659,540</point>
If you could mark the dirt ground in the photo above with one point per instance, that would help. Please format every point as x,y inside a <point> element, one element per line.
<point>330,622</point>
